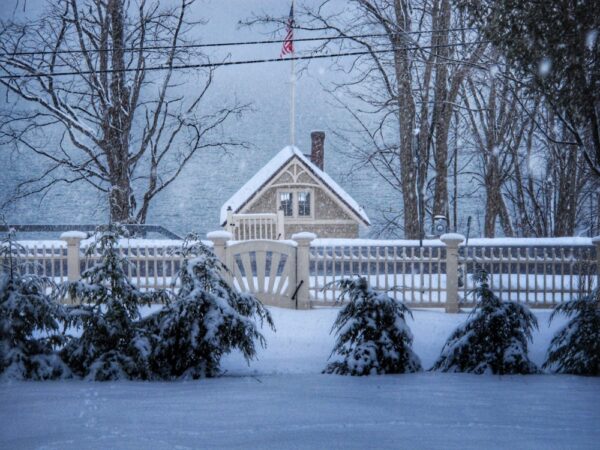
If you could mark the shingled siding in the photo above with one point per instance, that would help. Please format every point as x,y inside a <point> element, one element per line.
<point>266,203</point>
<point>328,209</point>
<point>325,209</point>
<point>345,231</point>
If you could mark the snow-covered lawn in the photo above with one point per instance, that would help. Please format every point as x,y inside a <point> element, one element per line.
<point>282,401</point>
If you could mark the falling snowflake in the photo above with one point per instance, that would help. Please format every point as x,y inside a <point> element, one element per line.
<point>545,66</point>
<point>590,39</point>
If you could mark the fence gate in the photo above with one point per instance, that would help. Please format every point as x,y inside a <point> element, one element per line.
<point>266,269</point>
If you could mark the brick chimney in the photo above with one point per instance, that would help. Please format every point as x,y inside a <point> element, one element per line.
<point>317,150</point>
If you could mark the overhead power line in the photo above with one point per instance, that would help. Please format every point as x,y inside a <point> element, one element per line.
<point>234,63</point>
<point>222,44</point>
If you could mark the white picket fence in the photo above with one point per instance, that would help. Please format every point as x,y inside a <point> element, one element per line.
<point>541,273</point>
<point>152,264</point>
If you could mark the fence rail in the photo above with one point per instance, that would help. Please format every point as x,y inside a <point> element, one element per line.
<point>256,226</point>
<point>407,273</point>
<point>44,258</point>
<point>439,274</point>
<point>152,264</point>
<point>542,276</point>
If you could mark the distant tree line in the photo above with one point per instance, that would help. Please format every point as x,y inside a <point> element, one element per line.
<point>495,98</point>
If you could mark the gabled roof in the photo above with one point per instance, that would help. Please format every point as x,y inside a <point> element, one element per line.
<point>267,173</point>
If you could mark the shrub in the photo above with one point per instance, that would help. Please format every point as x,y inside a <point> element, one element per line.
<point>29,321</point>
<point>207,319</point>
<point>575,348</point>
<point>372,334</point>
<point>493,339</point>
<point>114,343</point>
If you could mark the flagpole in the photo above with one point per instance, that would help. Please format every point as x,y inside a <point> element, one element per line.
<point>293,94</point>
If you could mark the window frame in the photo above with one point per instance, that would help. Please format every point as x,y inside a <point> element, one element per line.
<point>295,202</point>
<point>310,204</point>
<point>279,201</point>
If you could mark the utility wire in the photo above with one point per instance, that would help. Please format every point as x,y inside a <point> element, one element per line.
<point>221,44</point>
<point>232,63</point>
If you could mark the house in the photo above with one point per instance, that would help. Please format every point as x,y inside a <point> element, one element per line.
<point>294,189</point>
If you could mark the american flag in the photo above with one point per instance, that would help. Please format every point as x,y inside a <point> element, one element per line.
<point>288,43</point>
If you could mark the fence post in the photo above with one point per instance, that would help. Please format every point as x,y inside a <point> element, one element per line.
<point>280,225</point>
<point>73,240</point>
<point>229,224</point>
<point>219,239</point>
<point>303,268</point>
<point>452,241</point>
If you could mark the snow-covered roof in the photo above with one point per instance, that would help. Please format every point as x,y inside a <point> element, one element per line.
<point>272,168</point>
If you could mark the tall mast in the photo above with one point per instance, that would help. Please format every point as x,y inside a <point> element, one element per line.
<point>293,92</point>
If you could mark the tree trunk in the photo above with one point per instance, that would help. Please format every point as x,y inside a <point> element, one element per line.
<point>492,193</point>
<point>116,130</point>
<point>406,117</point>
<point>566,206</point>
<point>442,113</point>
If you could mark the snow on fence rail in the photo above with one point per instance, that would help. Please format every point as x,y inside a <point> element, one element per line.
<point>540,273</point>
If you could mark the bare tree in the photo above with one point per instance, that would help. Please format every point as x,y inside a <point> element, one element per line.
<point>497,128</point>
<point>82,73</point>
<point>551,185</point>
<point>401,91</point>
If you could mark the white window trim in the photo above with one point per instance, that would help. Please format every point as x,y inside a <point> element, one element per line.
<point>295,191</point>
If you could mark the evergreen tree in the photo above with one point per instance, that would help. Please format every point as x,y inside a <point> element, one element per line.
<point>576,347</point>
<point>493,339</point>
<point>113,343</point>
<point>372,334</point>
<point>29,321</point>
<point>207,319</point>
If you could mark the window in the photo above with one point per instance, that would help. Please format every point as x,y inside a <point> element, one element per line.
<point>286,203</point>
<point>296,203</point>
<point>303,204</point>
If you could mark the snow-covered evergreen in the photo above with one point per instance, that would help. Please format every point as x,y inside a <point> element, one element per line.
<point>372,334</point>
<point>493,339</point>
<point>575,348</point>
<point>113,343</point>
<point>207,319</point>
<point>29,321</point>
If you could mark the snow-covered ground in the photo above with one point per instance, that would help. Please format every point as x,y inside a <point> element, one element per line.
<point>282,401</point>
<point>302,343</point>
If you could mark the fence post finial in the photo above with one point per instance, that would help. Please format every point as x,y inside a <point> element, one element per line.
<point>303,268</point>
<point>452,241</point>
